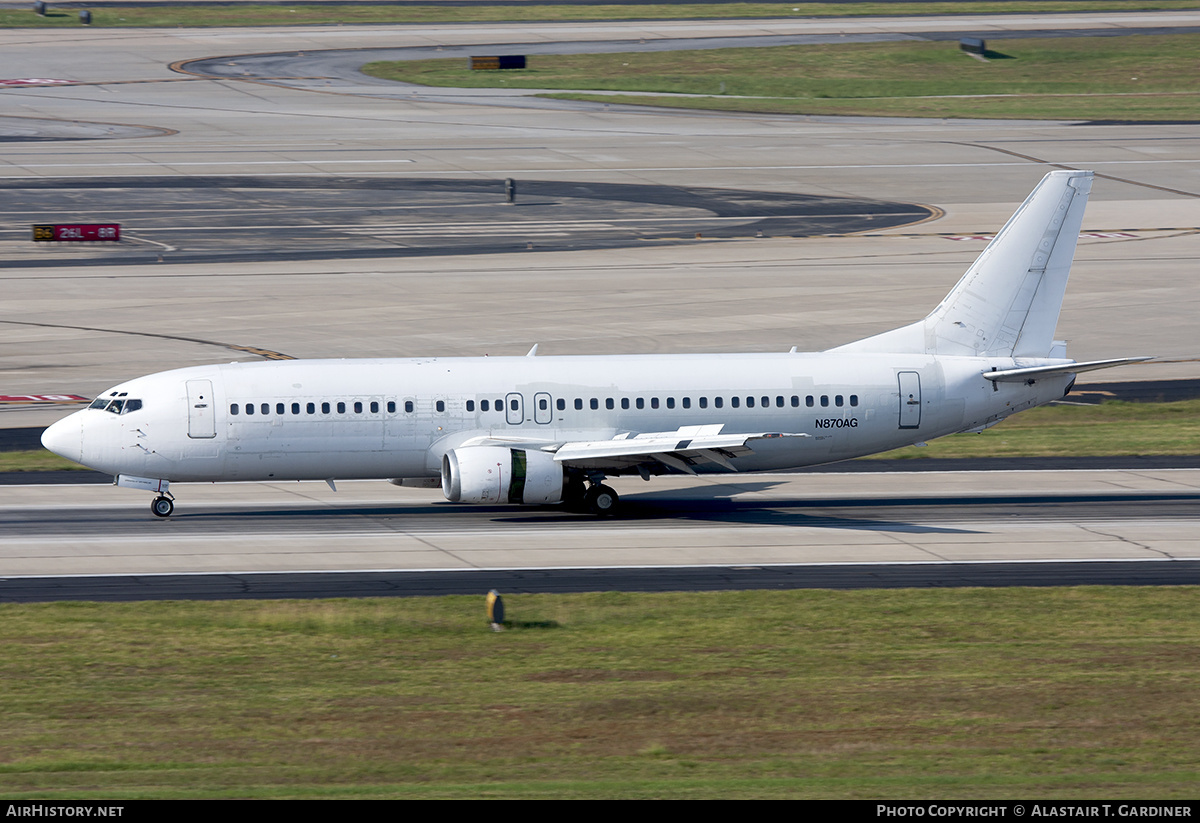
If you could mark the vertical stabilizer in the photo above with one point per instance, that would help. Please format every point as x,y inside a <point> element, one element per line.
<point>1007,303</point>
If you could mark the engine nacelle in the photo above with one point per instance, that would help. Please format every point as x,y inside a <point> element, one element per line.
<point>496,474</point>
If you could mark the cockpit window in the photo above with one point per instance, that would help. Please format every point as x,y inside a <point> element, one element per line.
<point>117,406</point>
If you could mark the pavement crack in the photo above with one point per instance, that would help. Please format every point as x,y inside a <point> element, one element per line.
<point>1123,539</point>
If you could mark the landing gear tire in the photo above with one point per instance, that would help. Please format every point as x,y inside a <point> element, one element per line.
<point>601,500</point>
<point>162,507</point>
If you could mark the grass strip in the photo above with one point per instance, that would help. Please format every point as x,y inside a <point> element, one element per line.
<point>1110,429</point>
<point>252,15</point>
<point>1144,78</point>
<point>965,693</point>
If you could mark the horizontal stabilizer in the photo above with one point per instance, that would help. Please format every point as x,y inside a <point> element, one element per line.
<point>1035,372</point>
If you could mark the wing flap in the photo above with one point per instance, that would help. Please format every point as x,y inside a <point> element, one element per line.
<point>679,449</point>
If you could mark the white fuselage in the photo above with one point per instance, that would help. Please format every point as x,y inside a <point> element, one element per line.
<point>343,419</point>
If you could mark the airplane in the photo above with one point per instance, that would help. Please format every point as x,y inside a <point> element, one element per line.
<point>539,430</point>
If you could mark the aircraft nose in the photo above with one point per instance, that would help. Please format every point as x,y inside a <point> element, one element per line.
<point>65,438</point>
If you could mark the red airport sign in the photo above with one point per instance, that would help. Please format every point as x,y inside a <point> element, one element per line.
<point>78,232</point>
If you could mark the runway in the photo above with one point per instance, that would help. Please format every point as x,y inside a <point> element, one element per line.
<point>752,520</point>
<point>66,328</point>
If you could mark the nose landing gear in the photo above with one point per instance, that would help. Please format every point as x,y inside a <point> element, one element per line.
<point>162,506</point>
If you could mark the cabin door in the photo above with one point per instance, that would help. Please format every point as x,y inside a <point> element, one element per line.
<point>910,400</point>
<point>201,423</point>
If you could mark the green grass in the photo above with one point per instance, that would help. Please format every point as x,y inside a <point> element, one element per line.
<point>251,15</point>
<point>1120,78</point>
<point>1003,693</point>
<point>38,460</point>
<point>1113,428</point>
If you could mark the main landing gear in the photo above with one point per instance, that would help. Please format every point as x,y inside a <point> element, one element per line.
<point>597,499</point>
<point>601,500</point>
<point>162,506</point>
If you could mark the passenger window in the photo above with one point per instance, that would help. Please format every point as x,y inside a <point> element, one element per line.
<point>485,405</point>
<point>594,403</point>
<point>641,403</point>
<point>358,407</point>
<point>809,401</point>
<point>779,401</point>
<point>295,408</point>
<point>470,405</point>
<point>719,402</point>
<point>704,402</point>
<point>233,408</point>
<point>311,408</point>
<point>374,407</point>
<point>654,402</point>
<point>249,408</point>
<point>624,402</point>
<point>766,402</point>
<point>749,402</point>
<point>735,401</point>
<point>561,404</point>
<point>408,406</point>
<point>543,404</point>
<point>578,404</point>
<point>824,400</point>
<point>512,404</point>
<point>325,408</point>
<point>265,408</point>
<point>279,407</point>
<point>609,404</point>
<point>837,400</point>
<point>687,402</point>
<point>670,402</point>
<point>341,407</point>
<point>441,405</point>
<point>854,400</point>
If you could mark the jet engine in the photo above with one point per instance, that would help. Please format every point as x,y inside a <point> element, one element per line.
<point>496,474</point>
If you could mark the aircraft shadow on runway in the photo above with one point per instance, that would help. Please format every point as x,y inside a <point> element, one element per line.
<point>680,506</point>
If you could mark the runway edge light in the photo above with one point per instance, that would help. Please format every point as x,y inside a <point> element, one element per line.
<point>495,610</point>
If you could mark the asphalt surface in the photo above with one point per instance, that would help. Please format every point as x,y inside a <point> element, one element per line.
<point>110,588</point>
<point>245,219</point>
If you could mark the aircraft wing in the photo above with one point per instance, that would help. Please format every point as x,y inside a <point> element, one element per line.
<point>1035,372</point>
<point>680,449</point>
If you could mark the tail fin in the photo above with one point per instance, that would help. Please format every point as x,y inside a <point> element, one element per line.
<point>1007,303</point>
